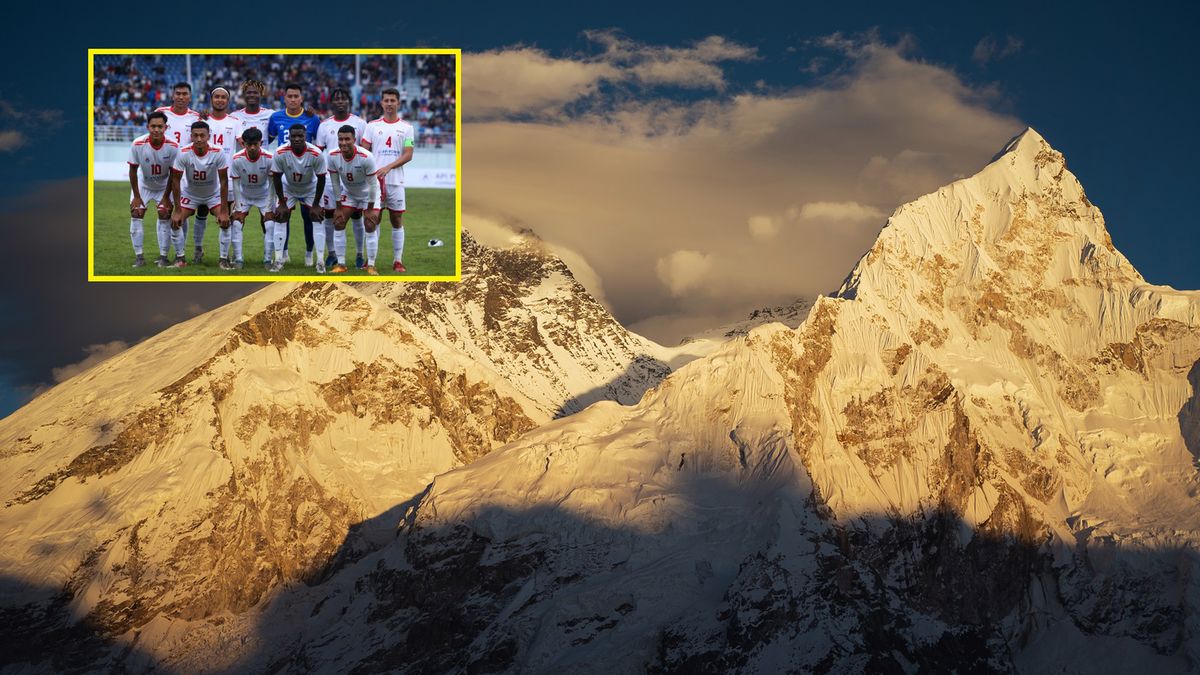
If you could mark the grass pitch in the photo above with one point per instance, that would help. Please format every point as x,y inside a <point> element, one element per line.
<point>430,215</point>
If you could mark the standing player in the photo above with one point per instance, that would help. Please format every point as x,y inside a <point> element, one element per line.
<point>223,133</point>
<point>352,173</point>
<point>250,175</point>
<point>258,117</point>
<point>206,185</point>
<point>279,127</point>
<point>391,139</point>
<point>327,141</point>
<point>179,116</point>
<point>298,171</point>
<point>253,115</point>
<point>154,154</point>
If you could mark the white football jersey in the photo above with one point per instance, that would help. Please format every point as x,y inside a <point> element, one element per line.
<point>328,131</point>
<point>388,140</point>
<point>155,163</point>
<point>223,133</point>
<point>353,173</point>
<point>179,127</point>
<point>201,175</point>
<point>299,171</point>
<point>253,176</point>
<point>258,120</point>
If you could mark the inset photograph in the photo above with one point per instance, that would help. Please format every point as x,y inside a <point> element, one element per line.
<point>255,166</point>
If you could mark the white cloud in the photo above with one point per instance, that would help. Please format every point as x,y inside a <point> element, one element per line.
<point>682,271</point>
<point>841,211</point>
<point>11,140</point>
<point>526,81</point>
<point>635,186</point>
<point>764,227</point>
<point>96,354</point>
<point>988,49</point>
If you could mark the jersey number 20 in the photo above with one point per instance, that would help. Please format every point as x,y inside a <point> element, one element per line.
<point>199,175</point>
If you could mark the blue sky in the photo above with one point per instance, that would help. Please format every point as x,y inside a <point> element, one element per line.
<point>1114,89</point>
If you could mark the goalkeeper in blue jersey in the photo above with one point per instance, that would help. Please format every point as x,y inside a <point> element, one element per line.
<point>278,126</point>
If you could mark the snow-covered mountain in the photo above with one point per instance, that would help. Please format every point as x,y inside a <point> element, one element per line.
<point>195,472</point>
<point>978,456</point>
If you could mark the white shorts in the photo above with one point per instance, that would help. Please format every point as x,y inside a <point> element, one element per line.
<point>247,203</point>
<point>349,202</point>
<point>327,197</point>
<point>149,194</point>
<point>291,200</point>
<point>190,201</point>
<point>393,198</point>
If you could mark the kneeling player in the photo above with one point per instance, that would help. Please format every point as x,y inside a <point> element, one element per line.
<point>352,172</point>
<point>298,170</point>
<point>154,155</point>
<point>250,174</point>
<point>205,183</point>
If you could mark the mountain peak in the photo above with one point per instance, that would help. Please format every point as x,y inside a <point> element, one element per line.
<point>1028,143</point>
<point>1022,222</point>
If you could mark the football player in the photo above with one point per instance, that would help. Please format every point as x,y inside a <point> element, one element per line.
<point>298,171</point>
<point>279,127</point>
<point>392,141</point>
<point>199,178</point>
<point>352,172</point>
<point>154,154</point>
<point>327,141</point>
<point>250,175</point>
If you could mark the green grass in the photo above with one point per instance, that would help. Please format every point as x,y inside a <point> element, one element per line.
<point>430,215</point>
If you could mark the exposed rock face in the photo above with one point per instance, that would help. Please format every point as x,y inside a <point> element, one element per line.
<point>520,312</point>
<point>978,456</point>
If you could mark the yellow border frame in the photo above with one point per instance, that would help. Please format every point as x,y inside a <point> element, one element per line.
<point>92,52</point>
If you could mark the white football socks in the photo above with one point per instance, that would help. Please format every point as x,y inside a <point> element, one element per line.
<point>319,242</point>
<point>328,230</point>
<point>164,236</point>
<point>268,239</point>
<point>372,246</point>
<point>237,240</point>
<point>281,230</point>
<point>136,234</point>
<point>397,243</point>
<point>339,245</point>
<point>179,238</point>
<point>359,231</point>
<point>223,242</point>
<point>198,235</point>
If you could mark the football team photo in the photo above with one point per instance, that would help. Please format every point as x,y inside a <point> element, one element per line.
<point>258,166</point>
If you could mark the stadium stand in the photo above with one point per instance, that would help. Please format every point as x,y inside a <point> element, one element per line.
<point>127,87</point>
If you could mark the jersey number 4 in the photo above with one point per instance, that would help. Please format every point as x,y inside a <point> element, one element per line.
<point>389,142</point>
<point>199,175</point>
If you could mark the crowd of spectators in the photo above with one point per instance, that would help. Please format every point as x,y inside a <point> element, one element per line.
<point>129,87</point>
